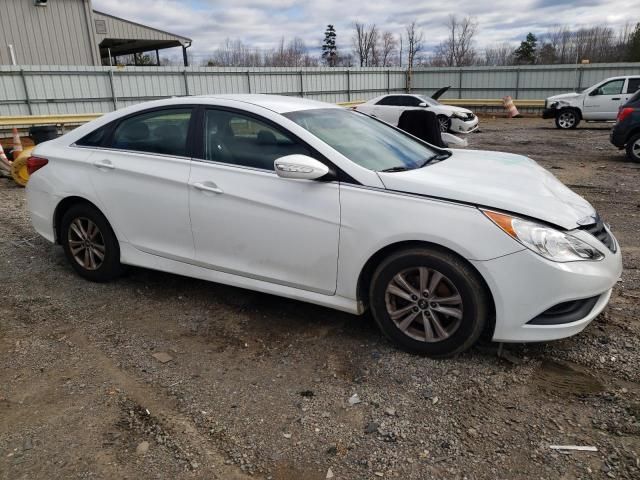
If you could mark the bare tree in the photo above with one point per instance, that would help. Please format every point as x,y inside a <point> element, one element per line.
<point>364,39</point>
<point>458,49</point>
<point>388,49</point>
<point>498,55</point>
<point>414,47</point>
<point>415,38</point>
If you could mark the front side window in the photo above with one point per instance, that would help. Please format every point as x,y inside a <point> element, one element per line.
<point>634,85</point>
<point>243,140</point>
<point>411,101</point>
<point>614,87</point>
<point>363,140</point>
<point>161,131</point>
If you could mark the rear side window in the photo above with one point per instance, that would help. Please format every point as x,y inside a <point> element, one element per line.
<point>392,100</point>
<point>95,138</point>
<point>161,131</point>
<point>633,85</point>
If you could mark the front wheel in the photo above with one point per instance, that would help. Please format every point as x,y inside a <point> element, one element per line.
<point>567,119</point>
<point>429,302</point>
<point>444,123</point>
<point>633,148</point>
<point>90,244</point>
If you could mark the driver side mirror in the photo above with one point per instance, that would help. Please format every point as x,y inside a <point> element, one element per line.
<point>300,167</point>
<point>422,104</point>
<point>597,91</point>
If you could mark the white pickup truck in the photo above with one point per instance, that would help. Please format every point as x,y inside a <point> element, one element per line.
<point>599,102</point>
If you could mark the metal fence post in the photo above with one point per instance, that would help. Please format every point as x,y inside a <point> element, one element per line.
<point>301,84</point>
<point>460,83</point>
<point>388,80</point>
<point>249,81</point>
<point>186,82</point>
<point>26,92</point>
<point>517,81</point>
<point>580,70</point>
<point>348,85</point>
<point>114,99</point>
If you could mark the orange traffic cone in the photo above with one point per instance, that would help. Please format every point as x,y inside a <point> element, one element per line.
<point>5,164</point>
<point>17,143</point>
<point>510,107</point>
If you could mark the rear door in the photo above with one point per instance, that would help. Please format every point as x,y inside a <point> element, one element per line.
<point>390,108</point>
<point>603,102</point>
<point>140,175</point>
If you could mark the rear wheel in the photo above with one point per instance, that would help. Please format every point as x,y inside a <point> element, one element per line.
<point>90,244</point>
<point>567,119</point>
<point>633,148</point>
<point>429,302</point>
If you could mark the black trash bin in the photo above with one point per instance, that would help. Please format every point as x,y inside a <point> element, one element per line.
<point>43,133</point>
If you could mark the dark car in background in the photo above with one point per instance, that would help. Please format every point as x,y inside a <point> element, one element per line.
<point>626,132</point>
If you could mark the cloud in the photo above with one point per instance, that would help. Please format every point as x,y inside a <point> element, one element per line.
<point>262,23</point>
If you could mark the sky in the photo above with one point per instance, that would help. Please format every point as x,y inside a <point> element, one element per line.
<point>262,23</point>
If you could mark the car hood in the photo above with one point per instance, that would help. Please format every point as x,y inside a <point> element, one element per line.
<point>503,181</point>
<point>564,96</point>
<point>454,109</point>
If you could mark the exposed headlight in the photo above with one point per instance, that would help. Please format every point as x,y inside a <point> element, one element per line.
<point>547,242</point>
<point>461,116</point>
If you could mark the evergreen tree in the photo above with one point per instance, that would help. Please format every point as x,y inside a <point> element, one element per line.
<point>526,52</point>
<point>329,49</point>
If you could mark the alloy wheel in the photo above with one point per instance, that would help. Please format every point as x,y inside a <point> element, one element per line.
<point>444,124</point>
<point>424,304</point>
<point>635,148</point>
<point>86,243</point>
<point>567,119</point>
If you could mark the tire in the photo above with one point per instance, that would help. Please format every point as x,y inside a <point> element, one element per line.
<point>438,330</point>
<point>78,231</point>
<point>567,119</point>
<point>633,148</point>
<point>444,123</point>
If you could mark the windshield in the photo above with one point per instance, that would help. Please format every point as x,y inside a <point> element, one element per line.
<point>428,100</point>
<point>368,142</point>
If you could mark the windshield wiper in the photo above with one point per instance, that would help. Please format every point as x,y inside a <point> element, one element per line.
<point>395,169</point>
<point>438,157</point>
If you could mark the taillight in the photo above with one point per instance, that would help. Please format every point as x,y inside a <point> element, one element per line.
<point>35,163</point>
<point>624,113</point>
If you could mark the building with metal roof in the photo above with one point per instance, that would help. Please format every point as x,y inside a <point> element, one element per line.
<point>70,32</point>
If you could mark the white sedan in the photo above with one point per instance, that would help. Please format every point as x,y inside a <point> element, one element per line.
<point>389,108</point>
<point>313,202</point>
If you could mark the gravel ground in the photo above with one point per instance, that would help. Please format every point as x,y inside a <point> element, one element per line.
<point>247,385</point>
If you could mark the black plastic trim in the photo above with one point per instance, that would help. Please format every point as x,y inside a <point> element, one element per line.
<point>566,312</point>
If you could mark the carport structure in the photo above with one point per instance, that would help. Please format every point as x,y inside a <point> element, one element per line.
<point>117,37</point>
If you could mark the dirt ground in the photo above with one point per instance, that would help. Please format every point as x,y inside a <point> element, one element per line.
<point>257,386</point>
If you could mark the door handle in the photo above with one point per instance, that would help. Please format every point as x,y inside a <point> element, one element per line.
<point>615,99</point>
<point>104,164</point>
<point>207,187</point>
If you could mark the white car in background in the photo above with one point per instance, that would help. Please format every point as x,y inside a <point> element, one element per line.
<point>389,108</point>
<point>598,103</point>
<point>322,204</point>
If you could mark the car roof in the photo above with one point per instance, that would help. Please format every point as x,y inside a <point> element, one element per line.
<point>275,103</point>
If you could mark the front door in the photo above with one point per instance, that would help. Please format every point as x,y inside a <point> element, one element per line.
<point>603,102</point>
<point>248,221</point>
